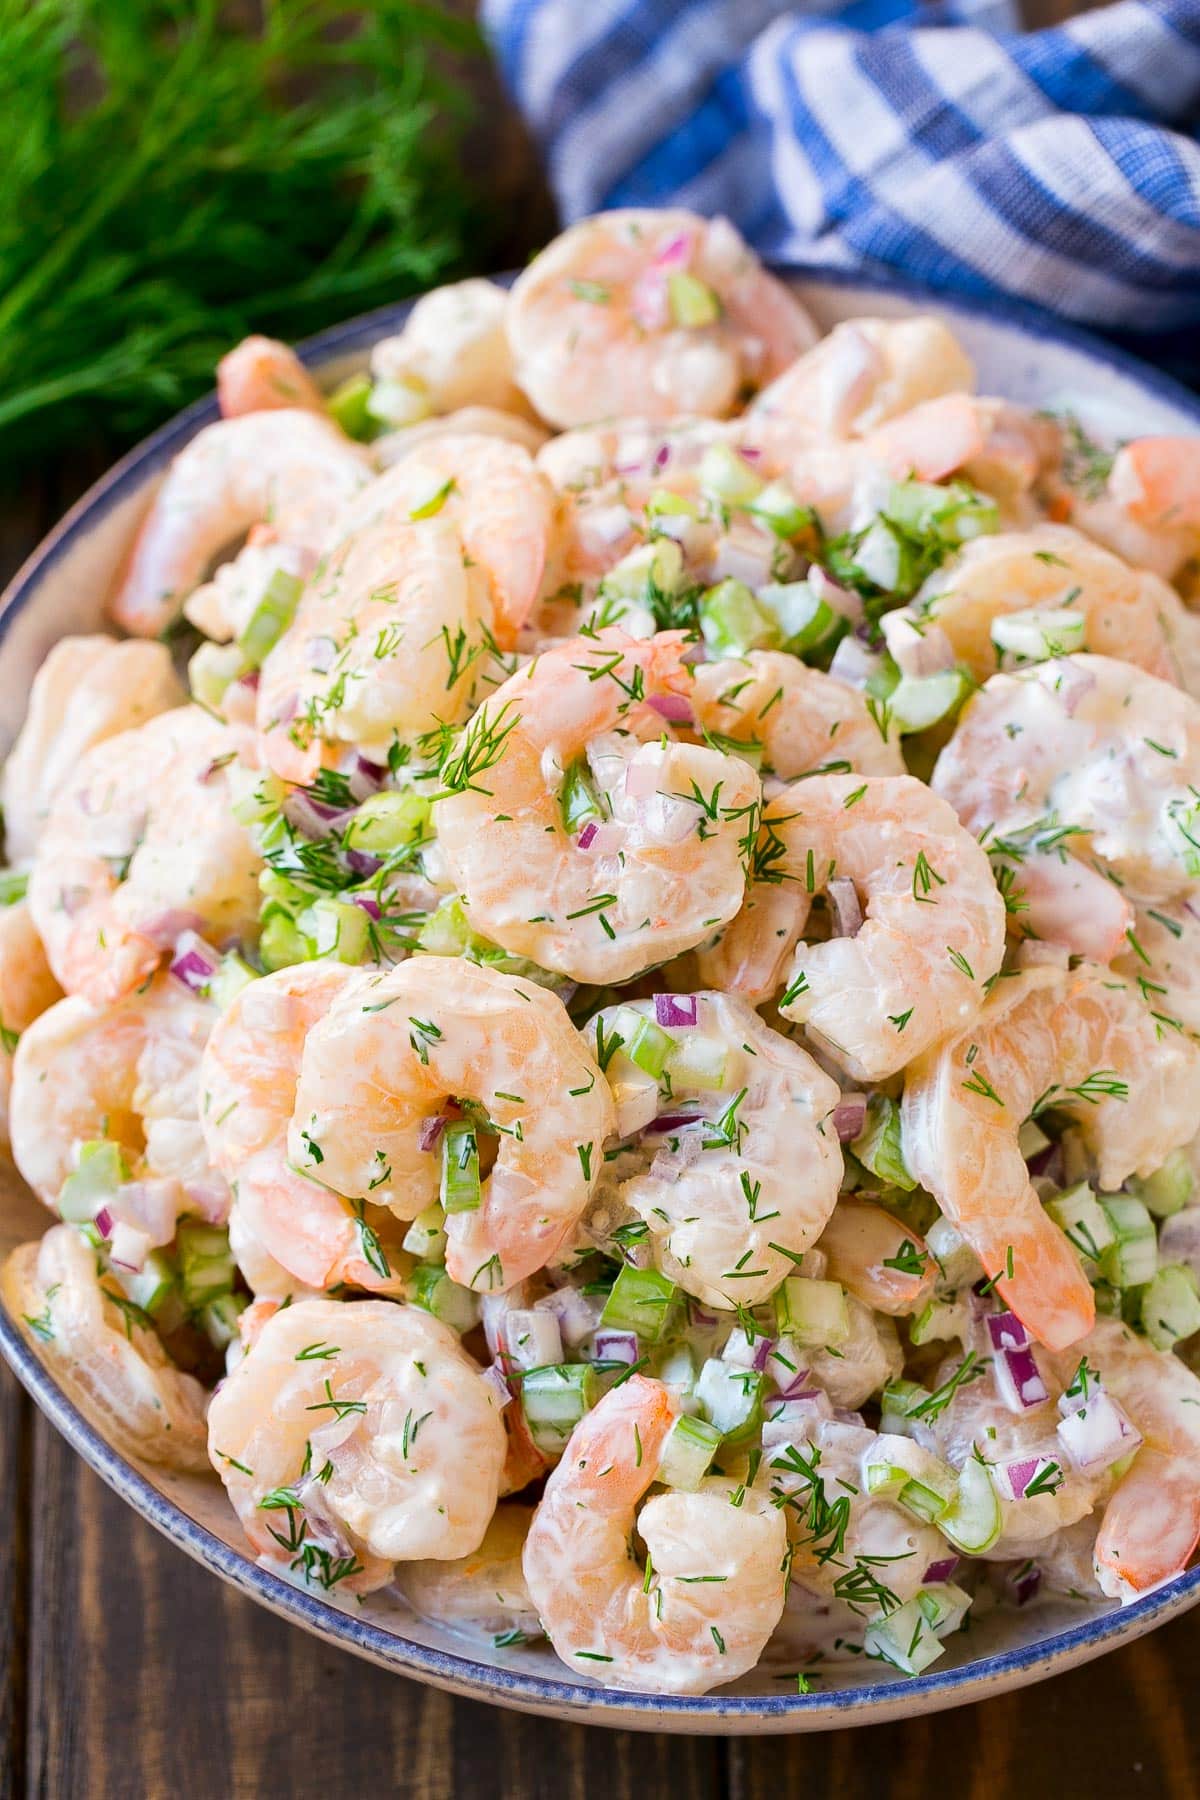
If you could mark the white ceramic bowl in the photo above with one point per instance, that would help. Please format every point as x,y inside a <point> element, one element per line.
<point>61,589</point>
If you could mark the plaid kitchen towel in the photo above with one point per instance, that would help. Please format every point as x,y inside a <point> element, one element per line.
<point>1061,167</point>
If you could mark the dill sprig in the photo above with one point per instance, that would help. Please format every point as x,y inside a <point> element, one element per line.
<point>175,177</point>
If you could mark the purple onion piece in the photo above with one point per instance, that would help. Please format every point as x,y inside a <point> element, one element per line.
<point>675,708</point>
<point>362,863</point>
<point>1006,1331</point>
<point>942,1570</point>
<point>616,1346</point>
<point>104,1222</point>
<point>495,1378</point>
<point>1022,1584</point>
<point>675,1011</point>
<point>586,835</point>
<point>368,905</point>
<point>850,1116</point>
<point>431,1130</point>
<point>846,905</point>
<point>672,1122</point>
<point>762,1353</point>
<point>1019,1380</point>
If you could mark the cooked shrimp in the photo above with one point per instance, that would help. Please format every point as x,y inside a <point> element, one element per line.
<point>1088,756</point>
<point>657,313</point>
<point>111,1364</point>
<point>737,1192</point>
<point>799,720</point>
<point>1148,508</point>
<point>1128,614</point>
<point>453,351</point>
<point>932,933</point>
<point>88,689</point>
<point>262,375</point>
<point>1152,1522</point>
<point>390,1055</point>
<point>881,1260</point>
<point>248,1082</point>
<point>712,1592</point>
<point>27,988</point>
<point>1085,1043</point>
<point>290,469</point>
<point>140,844</point>
<point>864,373</point>
<point>128,1072</point>
<point>1160,954</point>
<point>662,869</point>
<point>356,1435</point>
<point>486,1590</point>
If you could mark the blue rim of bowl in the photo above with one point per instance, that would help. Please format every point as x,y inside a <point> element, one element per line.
<point>974,1679</point>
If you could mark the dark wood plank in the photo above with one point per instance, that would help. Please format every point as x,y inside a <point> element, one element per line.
<point>15,1426</point>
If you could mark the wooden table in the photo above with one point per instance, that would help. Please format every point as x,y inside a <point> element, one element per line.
<point>126,1670</point>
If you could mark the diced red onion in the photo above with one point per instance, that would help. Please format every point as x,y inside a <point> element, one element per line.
<point>151,1208</point>
<point>128,1247</point>
<point>494,1378</point>
<point>1018,1380</point>
<point>250,679</point>
<point>1006,1331</point>
<point>366,777</point>
<point>1022,1584</point>
<point>431,1130</point>
<point>578,1314</point>
<point>854,664</point>
<point>368,905</point>
<point>791,1420</point>
<point>700,1316</point>
<point>616,1346</point>
<point>918,650</point>
<point>583,841</point>
<point>675,707</point>
<point>605,840</point>
<point>314,817</point>
<point>166,928</point>
<point>846,905</point>
<point>942,1570</point>
<point>1048,1164</point>
<point>1099,1434</point>
<point>209,1196</point>
<point>850,1116</point>
<point>670,1122</point>
<point>670,1164</point>
<point>104,1222</point>
<point>1012,1478</point>
<point>763,1347</point>
<point>532,1338</point>
<point>363,864</point>
<point>675,1011</point>
<point>194,962</point>
<point>675,255</point>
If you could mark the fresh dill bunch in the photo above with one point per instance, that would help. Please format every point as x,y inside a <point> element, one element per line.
<point>175,176</point>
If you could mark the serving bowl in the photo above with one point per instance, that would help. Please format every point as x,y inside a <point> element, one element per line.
<point>61,589</point>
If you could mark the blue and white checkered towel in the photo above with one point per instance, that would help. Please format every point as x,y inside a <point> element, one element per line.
<point>1061,166</point>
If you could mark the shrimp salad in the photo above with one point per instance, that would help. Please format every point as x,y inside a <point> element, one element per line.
<point>598,978</point>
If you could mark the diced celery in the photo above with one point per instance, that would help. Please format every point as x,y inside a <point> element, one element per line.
<point>917,1480</point>
<point>728,476</point>
<point>150,1286</point>
<point>953,514</point>
<point>445,932</point>
<point>937,1322</point>
<point>430,1288</point>
<point>663,504</point>
<point>690,1447</point>
<point>102,1168</point>
<point>270,618</point>
<point>206,1266</point>
<point>919,701</point>
<point>281,942</point>
<point>460,1169</point>
<point>210,671</point>
<point>219,1319</point>
<point>13,885</point>
<point>813,1312</point>
<point>904,1638</point>
<point>956,1261</point>
<point>1032,1140</point>
<point>399,403</point>
<point>697,1062</point>
<point>1132,1257</point>
<point>1170,1307</point>
<point>878,1146</point>
<point>641,1300</point>
<point>779,508</point>
<point>731,1397</point>
<point>579,800</point>
<point>972,1520</point>
<point>897,1402</point>
<point>231,977</point>
<point>554,1399</point>
<point>426,1236</point>
<point>262,803</point>
<point>692,302</point>
<point>945,1605</point>
<point>657,565</point>
<point>340,929</point>
<point>645,1043</point>
<point>1078,1213</point>
<point>1038,632</point>
<point>881,555</point>
<point>732,620</point>
<point>389,821</point>
<point>348,406</point>
<point>806,621</point>
<point>1169,1189</point>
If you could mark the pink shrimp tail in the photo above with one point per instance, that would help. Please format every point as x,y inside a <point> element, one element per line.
<point>262,375</point>
<point>1157,481</point>
<point>933,440</point>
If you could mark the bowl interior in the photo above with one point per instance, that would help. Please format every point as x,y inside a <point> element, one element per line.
<point>62,589</point>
